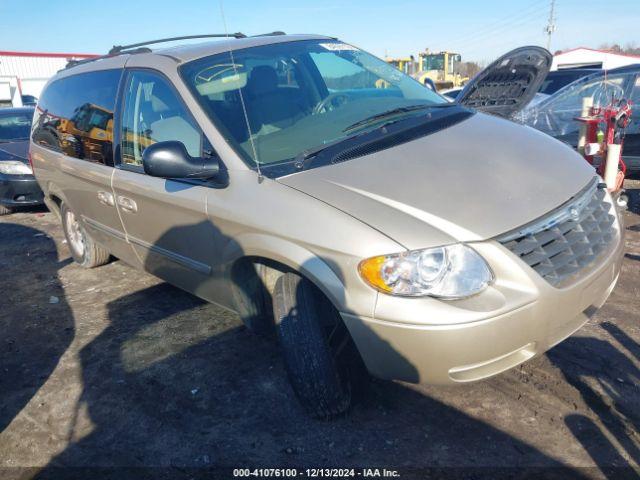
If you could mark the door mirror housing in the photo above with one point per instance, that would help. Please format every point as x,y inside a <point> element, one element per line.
<point>170,159</point>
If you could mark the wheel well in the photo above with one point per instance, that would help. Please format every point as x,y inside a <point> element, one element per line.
<point>56,202</point>
<point>270,270</point>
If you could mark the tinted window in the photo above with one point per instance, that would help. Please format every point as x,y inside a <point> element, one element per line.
<point>556,80</point>
<point>75,116</point>
<point>15,127</point>
<point>154,113</point>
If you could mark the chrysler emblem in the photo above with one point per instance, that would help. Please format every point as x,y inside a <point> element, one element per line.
<point>574,212</point>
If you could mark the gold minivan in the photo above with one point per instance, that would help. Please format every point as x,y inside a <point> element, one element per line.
<point>323,194</point>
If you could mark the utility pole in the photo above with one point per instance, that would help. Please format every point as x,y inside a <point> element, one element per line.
<point>551,26</point>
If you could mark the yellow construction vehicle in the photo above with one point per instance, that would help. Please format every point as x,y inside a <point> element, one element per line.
<point>442,68</point>
<point>407,65</point>
<point>88,133</point>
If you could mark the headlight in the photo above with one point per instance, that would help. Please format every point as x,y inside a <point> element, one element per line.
<point>15,168</point>
<point>454,271</point>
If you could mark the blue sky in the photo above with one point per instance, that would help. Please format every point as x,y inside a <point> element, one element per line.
<point>479,30</point>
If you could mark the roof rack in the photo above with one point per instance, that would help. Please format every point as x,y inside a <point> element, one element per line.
<point>74,63</point>
<point>117,49</point>
<point>140,47</point>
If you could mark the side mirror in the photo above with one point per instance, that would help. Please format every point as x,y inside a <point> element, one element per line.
<point>171,160</point>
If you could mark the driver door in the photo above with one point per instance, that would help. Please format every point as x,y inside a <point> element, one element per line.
<point>165,220</point>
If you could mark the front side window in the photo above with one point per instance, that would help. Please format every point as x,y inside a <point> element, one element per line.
<point>154,113</point>
<point>15,127</point>
<point>275,101</point>
<point>75,116</point>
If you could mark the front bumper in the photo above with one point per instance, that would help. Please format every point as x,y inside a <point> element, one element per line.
<point>19,190</point>
<point>425,340</point>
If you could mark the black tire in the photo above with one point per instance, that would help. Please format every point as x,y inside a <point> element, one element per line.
<point>90,255</point>
<point>324,367</point>
<point>5,210</point>
<point>252,297</point>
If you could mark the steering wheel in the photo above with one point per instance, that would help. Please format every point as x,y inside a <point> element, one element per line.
<point>330,102</point>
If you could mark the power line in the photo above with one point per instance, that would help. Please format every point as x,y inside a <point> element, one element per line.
<point>505,21</point>
<point>478,40</point>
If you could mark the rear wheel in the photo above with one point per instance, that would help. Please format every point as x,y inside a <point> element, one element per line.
<point>322,361</point>
<point>83,249</point>
<point>5,210</point>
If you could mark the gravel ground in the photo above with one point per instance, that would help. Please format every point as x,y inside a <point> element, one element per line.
<point>113,368</point>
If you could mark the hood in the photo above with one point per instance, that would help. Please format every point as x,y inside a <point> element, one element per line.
<point>509,83</point>
<point>15,151</point>
<point>473,181</point>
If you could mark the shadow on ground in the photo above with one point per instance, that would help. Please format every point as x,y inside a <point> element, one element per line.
<point>174,382</point>
<point>164,388</point>
<point>610,389</point>
<point>33,339</point>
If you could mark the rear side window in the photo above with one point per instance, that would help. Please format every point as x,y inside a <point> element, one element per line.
<point>75,116</point>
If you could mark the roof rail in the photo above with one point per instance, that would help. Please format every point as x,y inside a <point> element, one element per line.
<point>122,48</point>
<point>276,33</point>
<point>139,47</point>
<point>74,63</point>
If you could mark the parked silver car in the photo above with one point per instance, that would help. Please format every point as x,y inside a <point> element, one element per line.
<point>314,189</point>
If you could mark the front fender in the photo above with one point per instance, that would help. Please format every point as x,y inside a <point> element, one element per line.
<point>311,265</point>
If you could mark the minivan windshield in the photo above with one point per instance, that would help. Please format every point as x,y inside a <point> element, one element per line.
<point>277,101</point>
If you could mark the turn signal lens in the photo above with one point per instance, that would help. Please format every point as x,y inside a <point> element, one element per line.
<point>371,271</point>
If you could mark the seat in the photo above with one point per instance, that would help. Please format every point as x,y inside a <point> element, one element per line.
<point>268,104</point>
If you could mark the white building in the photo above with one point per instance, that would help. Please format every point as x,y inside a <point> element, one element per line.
<point>589,57</point>
<point>25,73</point>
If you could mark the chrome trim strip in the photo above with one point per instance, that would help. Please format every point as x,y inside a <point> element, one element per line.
<point>570,210</point>
<point>174,257</point>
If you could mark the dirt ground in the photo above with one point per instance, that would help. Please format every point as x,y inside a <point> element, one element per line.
<point>112,368</point>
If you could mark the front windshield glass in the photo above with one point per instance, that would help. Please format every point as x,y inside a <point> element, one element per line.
<point>15,127</point>
<point>298,95</point>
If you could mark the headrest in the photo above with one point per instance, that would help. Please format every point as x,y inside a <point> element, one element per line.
<point>263,79</point>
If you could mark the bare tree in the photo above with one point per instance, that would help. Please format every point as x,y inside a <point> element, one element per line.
<point>469,69</point>
<point>629,48</point>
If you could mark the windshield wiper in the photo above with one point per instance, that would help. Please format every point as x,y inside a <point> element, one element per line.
<point>301,160</point>
<point>392,113</point>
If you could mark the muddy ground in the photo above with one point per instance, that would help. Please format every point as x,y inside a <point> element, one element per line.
<point>111,367</point>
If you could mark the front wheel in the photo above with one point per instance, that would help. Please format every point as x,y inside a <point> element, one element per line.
<point>83,249</point>
<point>324,367</point>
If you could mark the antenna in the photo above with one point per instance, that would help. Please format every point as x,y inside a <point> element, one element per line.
<point>244,106</point>
<point>551,26</point>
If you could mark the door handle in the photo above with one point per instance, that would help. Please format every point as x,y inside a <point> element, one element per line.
<point>106,198</point>
<point>127,204</point>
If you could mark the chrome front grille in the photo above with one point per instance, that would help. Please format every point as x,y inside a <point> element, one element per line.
<point>569,239</point>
